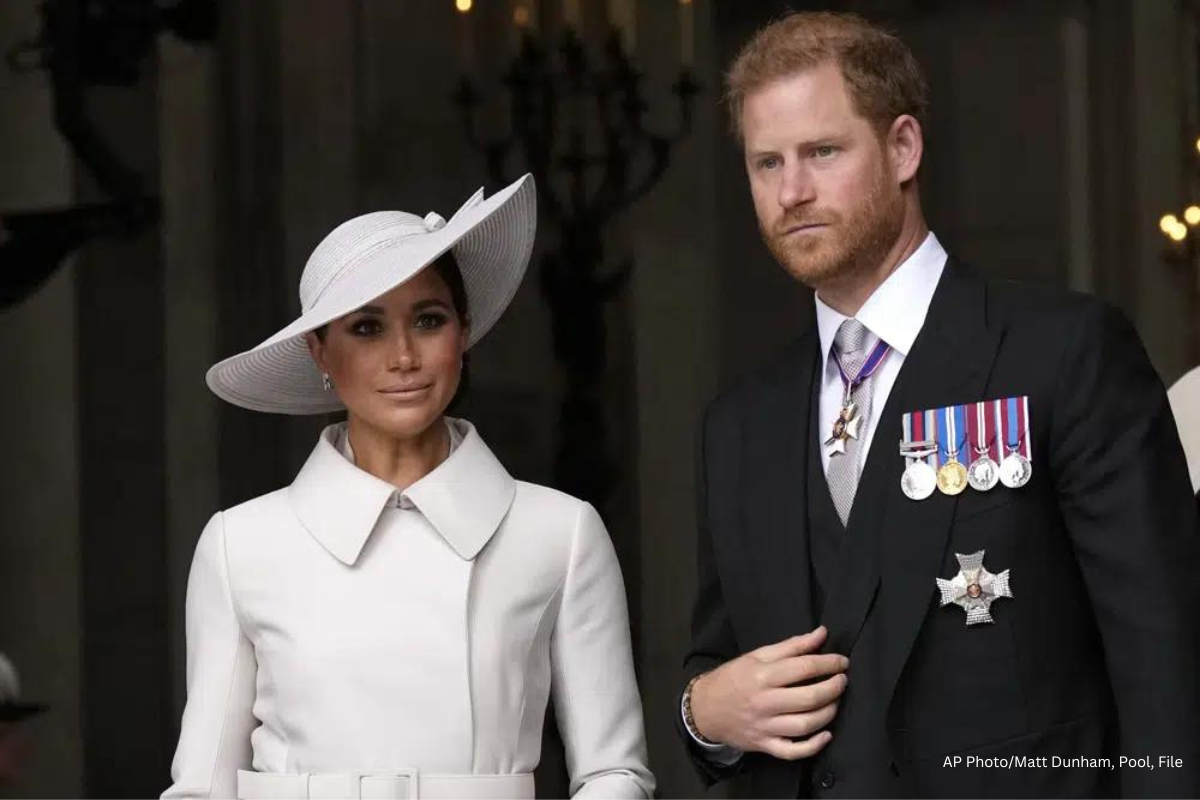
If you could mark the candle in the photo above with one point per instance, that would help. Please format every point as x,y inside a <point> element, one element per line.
<point>622,14</point>
<point>571,15</point>
<point>525,19</point>
<point>687,34</point>
<point>466,41</point>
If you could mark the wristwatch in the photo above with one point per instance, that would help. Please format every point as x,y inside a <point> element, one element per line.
<point>688,720</point>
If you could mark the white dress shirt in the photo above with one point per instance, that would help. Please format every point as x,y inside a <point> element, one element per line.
<point>895,313</point>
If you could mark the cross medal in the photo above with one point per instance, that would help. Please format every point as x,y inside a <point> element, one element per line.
<point>974,589</point>
<point>845,426</point>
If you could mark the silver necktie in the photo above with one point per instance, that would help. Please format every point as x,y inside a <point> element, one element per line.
<point>849,342</point>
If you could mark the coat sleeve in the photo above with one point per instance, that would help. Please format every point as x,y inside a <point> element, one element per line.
<point>713,640</point>
<point>214,739</point>
<point>596,699</point>
<point>1124,494</point>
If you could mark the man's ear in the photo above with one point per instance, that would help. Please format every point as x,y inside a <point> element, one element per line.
<point>905,146</point>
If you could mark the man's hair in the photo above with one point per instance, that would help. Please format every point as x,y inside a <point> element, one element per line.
<point>882,75</point>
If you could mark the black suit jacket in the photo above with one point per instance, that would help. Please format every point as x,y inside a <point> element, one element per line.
<point>1097,654</point>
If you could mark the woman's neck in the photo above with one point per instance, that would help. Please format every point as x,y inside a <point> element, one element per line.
<point>400,462</point>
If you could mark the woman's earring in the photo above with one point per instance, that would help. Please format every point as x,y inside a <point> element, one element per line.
<point>326,381</point>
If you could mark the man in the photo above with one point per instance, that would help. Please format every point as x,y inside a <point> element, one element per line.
<point>953,640</point>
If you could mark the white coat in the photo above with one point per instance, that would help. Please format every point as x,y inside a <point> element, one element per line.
<point>339,625</point>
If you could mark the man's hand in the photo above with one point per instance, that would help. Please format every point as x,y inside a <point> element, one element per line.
<point>753,703</point>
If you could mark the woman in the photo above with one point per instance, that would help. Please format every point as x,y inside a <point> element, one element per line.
<point>392,624</point>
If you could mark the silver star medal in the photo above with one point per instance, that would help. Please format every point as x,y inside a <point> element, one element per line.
<point>845,428</point>
<point>974,588</point>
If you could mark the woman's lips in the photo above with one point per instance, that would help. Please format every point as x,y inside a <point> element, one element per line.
<point>405,392</point>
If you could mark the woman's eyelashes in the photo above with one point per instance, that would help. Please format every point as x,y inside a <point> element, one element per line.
<point>367,327</point>
<point>430,320</point>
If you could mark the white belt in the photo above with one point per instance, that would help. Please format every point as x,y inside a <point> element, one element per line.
<point>408,783</point>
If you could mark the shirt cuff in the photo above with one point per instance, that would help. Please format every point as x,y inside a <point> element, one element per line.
<point>720,754</point>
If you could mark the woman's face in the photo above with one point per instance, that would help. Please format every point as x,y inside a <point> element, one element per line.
<point>396,362</point>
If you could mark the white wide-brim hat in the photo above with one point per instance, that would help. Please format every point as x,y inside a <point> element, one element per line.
<point>369,256</point>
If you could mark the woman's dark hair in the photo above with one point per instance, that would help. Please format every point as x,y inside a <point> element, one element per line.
<point>446,267</point>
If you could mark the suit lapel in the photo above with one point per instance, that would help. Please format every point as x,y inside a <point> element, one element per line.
<point>950,364</point>
<point>857,580</point>
<point>775,487</point>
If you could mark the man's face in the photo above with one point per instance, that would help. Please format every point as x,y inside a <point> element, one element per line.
<point>828,200</point>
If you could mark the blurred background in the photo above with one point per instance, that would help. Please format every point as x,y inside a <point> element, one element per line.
<point>167,166</point>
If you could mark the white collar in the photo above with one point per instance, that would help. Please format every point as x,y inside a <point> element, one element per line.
<point>398,499</point>
<point>896,310</point>
<point>340,504</point>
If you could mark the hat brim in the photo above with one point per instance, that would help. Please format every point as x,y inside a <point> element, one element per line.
<point>492,240</point>
<point>18,712</point>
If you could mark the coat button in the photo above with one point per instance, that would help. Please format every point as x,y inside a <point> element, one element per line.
<point>828,781</point>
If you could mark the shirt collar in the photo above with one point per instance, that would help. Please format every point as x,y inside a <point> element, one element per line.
<point>896,310</point>
<point>340,504</point>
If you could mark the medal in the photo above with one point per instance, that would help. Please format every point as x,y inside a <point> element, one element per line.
<point>1015,469</point>
<point>974,589</point>
<point>952,475</point>
<point>919,479</point>
<point>847,422</point>
<point>845,427</point>
<point>984,473</point>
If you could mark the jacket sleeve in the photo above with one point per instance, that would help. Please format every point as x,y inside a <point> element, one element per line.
<point>713,640</point>
<point>1124,494</point>
<point>596,699</point>
<point>214,740</point>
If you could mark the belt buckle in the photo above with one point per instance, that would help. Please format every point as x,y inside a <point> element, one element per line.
<point>414,780</point>
<point>413,775</point>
